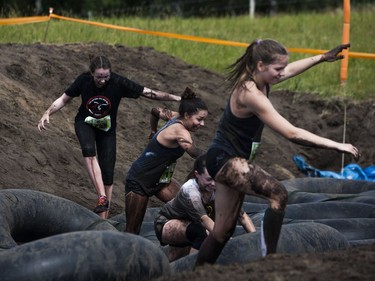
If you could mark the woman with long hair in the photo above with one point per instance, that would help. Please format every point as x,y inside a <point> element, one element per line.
<point>230,155</point>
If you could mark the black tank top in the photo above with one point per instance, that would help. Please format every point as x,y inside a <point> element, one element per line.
<point>238,136</point>
<point>154,160</point>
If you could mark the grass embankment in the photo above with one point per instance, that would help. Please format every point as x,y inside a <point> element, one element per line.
<point>313,31</point>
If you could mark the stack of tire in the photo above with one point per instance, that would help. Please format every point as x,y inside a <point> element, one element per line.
<point>45,237</point>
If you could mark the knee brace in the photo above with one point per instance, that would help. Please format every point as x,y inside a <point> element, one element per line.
<point>270,231</point>
<point>196,233</point>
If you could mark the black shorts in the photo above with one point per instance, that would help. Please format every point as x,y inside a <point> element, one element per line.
<point>96,142</point>
<point>215,159</point>
<point>159,223</point>
<point>136,187</point>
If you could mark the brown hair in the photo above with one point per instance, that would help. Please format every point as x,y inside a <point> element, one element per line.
<point>200,163</point>
<point>99,62</point>
<point>190,103</point>
<point>242,70</point>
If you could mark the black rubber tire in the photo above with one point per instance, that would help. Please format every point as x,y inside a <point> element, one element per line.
<point>26,215</point>
<point>328,185</point>
<point>85,255</point>
<point>294,238</point>
<point>351,228</point>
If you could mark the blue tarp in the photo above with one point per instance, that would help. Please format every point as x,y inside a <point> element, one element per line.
<point>350,171</point>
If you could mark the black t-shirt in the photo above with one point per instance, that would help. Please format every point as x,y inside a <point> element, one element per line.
<point>100,102</point>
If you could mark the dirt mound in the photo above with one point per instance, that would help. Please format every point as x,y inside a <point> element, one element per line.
<point>32,76</point>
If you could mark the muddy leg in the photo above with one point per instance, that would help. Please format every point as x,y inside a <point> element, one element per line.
<point>253,180</point>
<point>135,209</point>
<point>169,192</point>
<point>228,203</point>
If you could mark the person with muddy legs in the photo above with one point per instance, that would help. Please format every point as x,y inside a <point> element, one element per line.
<point>184,221</point>
<point>158,113</point>
<point>230,154</point>
<point>101,91</point>
<point>152,173</point>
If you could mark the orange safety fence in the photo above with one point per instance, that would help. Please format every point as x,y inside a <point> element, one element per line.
<point>9,21</point>
<point>168,35</point>
<point>156,33</point>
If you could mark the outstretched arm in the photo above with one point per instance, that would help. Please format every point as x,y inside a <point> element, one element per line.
<point>299,66</point>
<point>159,95</point>
<point>263,108</point>
<point>55,106</point>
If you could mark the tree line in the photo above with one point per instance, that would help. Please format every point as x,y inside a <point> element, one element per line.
<point>163,8</point>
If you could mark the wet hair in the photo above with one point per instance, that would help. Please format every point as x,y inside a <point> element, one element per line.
<point>266,51</point>
<point>190,103</point>
<point>200,163</point>
<point>99,62</point>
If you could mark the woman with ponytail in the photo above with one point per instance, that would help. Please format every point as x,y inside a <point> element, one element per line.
<point>152,173</point>
<point>230,155</point>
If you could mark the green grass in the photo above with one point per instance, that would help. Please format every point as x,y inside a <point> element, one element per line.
<point>314,30</point>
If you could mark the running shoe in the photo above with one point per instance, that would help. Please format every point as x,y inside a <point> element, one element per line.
<point>103,205</point>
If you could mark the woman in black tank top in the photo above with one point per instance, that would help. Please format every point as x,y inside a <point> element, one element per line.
<point>264,63</point>
<point>152,173</point>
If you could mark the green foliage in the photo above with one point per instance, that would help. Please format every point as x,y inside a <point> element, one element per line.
<point>303,30</point>
<point>163,8</point>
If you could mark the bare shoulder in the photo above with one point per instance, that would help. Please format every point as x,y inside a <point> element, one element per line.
<point>247,101</point>
<point>182,132</point>
<point>175,132</point>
